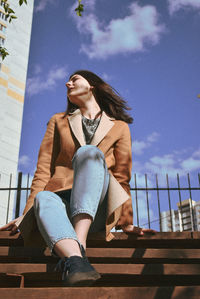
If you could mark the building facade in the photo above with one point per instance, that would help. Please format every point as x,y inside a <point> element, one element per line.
<point>15,37</point>
<point>185,218</point>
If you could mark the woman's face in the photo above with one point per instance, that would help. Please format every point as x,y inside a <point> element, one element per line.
<point>77,86</point>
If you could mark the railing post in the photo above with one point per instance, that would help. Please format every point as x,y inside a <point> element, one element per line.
<point>18,197</point>
<point>191,208</point>
<point>8,207</point>
<point>147,198</point>
<point>169,200</point>
<point>158,198</point>
<point>136,198</point>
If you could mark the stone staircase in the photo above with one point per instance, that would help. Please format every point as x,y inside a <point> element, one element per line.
<point>164,265</point>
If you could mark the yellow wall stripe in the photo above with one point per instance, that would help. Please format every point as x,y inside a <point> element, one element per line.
<point>3,82</point>
<point>15,95</point>
<point>3,24</point>
<point>16,83</point>
<point>5,69</point>
<point>3,36</point>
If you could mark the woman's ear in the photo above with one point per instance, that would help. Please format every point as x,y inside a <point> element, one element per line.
<point>91,87</point>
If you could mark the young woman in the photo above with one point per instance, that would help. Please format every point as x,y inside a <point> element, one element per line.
<point>82,179</point>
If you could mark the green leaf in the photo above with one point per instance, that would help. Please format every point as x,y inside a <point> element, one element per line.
<point>79,9</point>
<point>22,1</point>
<point>6,7</point>
<point>10,10</point>
<point>3,52</point>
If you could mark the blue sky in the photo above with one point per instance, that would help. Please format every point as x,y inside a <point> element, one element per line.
<point>147,50</point>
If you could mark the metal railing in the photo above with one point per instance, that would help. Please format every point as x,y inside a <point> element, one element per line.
<point>155,206</point>
<point>187,202</point>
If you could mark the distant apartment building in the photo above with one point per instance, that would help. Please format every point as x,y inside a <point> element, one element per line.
<point>185,218</point>
<point>15,37</point>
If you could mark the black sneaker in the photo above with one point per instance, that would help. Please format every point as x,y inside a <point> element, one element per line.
<point>82,249</point>
<point>77,271</point>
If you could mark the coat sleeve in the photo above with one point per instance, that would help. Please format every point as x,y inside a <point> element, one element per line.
<point>122,172</point>
<point>46,159</point>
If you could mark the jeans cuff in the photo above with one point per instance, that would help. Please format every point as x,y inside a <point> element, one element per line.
<point>82,211</point>
<point>52,243</point>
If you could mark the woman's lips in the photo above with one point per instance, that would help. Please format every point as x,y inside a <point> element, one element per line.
<point>70,89</point>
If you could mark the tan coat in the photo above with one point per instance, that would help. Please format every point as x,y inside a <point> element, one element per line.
<point>54,172</point>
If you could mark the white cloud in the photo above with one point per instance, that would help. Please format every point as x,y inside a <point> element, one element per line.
<point>41,5</point>
<point>140,146</point>
<point>172,164</point>
<point>196,154</point>
<point>191,164</point>
<point>39,83</point>
<point>106,77</point>
<point>126,35</point>
<point>88,4</point>
<point>175,5</point>
<point>153,137</point>
<point>37,69</point>
<point>163,169</point>
<point>166,160</point>
<point>182,161</point>
<point>24,161</point>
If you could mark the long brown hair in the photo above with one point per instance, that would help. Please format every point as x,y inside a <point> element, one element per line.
<point>106,96</point>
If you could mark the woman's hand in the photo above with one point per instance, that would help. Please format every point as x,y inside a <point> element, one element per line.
<point>13,225</point>
<point>137,230</point>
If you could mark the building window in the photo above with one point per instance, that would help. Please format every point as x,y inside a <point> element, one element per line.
<point>3,16</point>
<point>2,41</point>
<point>2,4</point>
<point>3,28</point>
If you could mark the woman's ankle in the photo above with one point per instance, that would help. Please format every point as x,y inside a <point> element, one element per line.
<point>67,248</point>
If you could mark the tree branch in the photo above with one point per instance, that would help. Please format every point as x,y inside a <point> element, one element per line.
<point>10,15</point>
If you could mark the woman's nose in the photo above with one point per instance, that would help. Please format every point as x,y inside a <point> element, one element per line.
<point>68,84</point>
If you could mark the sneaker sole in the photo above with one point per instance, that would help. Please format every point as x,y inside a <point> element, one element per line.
<point>82,279</point>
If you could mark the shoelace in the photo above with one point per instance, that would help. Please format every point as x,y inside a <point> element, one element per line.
<point>63,266</point>
<point>83,253</point>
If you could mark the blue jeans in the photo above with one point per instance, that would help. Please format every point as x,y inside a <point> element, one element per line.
<point>54,211</point>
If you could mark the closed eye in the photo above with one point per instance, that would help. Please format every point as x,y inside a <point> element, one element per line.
<point>74,78</point>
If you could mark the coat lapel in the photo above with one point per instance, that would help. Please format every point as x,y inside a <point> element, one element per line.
<point>75,122</point>
<point>104,127</point>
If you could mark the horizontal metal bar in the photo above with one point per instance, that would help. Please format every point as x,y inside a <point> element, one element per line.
<point>14,189</point>
<point>133,189</point>
<point>171,188</point>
